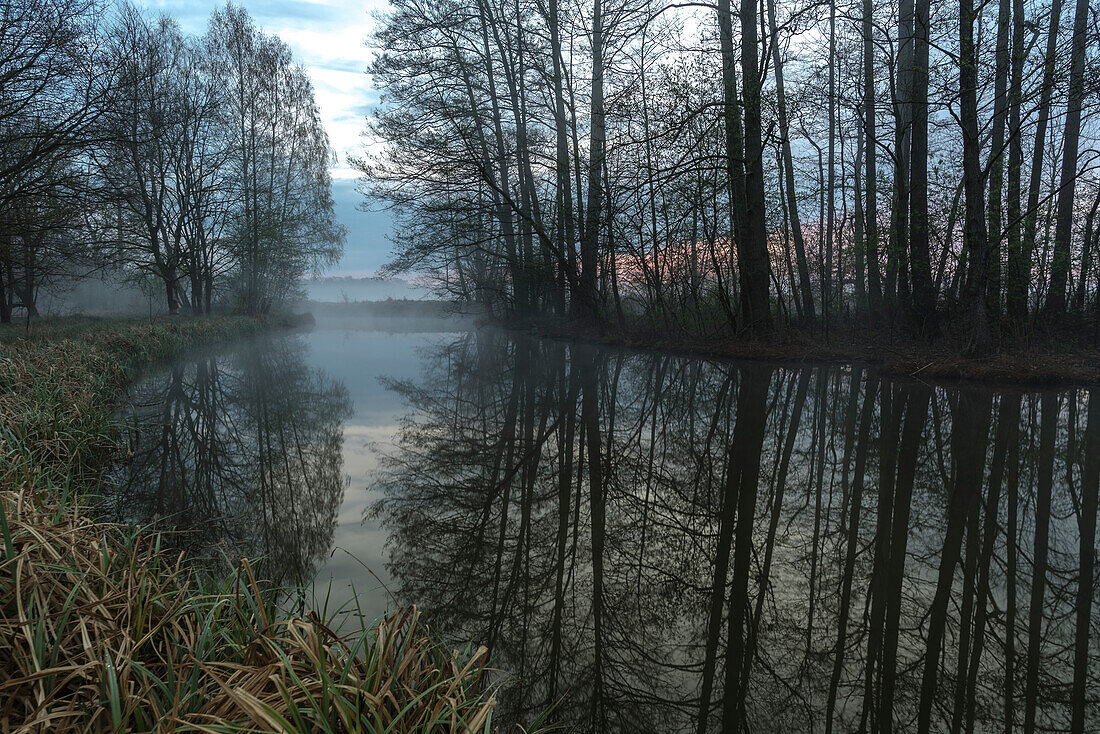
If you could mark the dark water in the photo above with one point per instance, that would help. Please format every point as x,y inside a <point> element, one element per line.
<point>658,543</point>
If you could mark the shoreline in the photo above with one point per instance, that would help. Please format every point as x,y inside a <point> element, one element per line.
<point>892,354</point>
<point>109,631</point>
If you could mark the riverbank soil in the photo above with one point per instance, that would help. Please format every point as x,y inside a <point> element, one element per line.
<point>1049,360</point>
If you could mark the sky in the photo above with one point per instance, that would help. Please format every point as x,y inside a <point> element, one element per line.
<point>328,37</point>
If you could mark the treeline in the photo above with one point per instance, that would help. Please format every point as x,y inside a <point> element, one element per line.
<point>196,165</point>
<point>912,163</point>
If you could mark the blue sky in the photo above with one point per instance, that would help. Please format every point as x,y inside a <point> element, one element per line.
<point>327,36</point>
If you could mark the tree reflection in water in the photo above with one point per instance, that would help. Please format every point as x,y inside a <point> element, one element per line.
<point>671,544</point>
<point>241,452</point>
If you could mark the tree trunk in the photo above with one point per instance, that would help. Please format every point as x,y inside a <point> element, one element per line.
<point>173,294</point>
<point>827,306</point>
<point>735,149</point>
<point>997,162</point>
<point>896,287</point>
<point>5,304</point>
<point>806,295</point>
<point>977,248</point>
<point>1031,221</point>
<point>1016,272</point>
<point>1055,307</point>
<point>924,298</point>
<point>566,224</point>
<point>752,248</point>
<point>870,228</point>
<point>597,141</point>
<point>1091,233</point>
<point>504,213</point>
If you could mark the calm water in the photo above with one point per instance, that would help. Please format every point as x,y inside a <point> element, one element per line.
<point>656,543</point>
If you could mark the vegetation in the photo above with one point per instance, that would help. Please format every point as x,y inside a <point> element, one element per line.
<point>196,166</point>
<point>707,171</point>
<point>104,630</point>
<point>61,381</point>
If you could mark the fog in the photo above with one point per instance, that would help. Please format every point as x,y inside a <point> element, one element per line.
<point>395,316</point>
<point>339,289</point>
<point>113,293</point>
<point>102,294</point>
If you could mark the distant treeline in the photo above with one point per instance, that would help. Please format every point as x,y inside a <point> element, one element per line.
<point>916,163</point>
<point>348,289</point>
<point>397,315</point>
<point>196,165</point>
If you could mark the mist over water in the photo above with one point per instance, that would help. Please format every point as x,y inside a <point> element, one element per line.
<point>342,289</point>
<point>114,293</point>
<point>654,542</point>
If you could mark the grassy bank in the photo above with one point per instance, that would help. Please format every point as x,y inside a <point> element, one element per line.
<point>100,630</point>
<point>1037,361</point>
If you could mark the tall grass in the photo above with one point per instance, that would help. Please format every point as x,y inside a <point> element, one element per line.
<point>61,382</point>
<point>100,630</point>
<point>103,630</point>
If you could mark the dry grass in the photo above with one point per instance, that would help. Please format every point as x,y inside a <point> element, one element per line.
<point>61,381</point>
<point>100,630</point>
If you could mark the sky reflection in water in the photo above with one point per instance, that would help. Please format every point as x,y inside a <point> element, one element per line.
<point>658,542</point>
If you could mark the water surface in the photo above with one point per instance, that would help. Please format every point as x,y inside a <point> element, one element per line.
<point>651,542</point>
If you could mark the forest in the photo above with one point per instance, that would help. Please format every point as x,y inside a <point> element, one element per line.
<point>719,169</point>
<point>194,165</point>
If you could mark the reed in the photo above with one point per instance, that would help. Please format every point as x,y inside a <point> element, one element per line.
<point>102,629</point>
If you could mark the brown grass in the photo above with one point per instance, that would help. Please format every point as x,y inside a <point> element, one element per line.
<point>103,632</point>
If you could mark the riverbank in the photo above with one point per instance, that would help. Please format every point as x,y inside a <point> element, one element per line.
<point>1037,362</point>
<point>100,630</point>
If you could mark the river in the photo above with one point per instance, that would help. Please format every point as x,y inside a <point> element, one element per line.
<point>649,542</point>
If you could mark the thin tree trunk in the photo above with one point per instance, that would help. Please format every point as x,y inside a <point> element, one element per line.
<point>997,162</point>
<point>597,141</point>
<point>924,298</point>
<point>977,246</point>
<point>735,149</point>
<point>827,307</point>
<point>870,228</point>
<point>1031,221</point>
<point>1016,271</point>
<point>806,295</point>
<point>1055,307</point>
<point>896,275</point>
